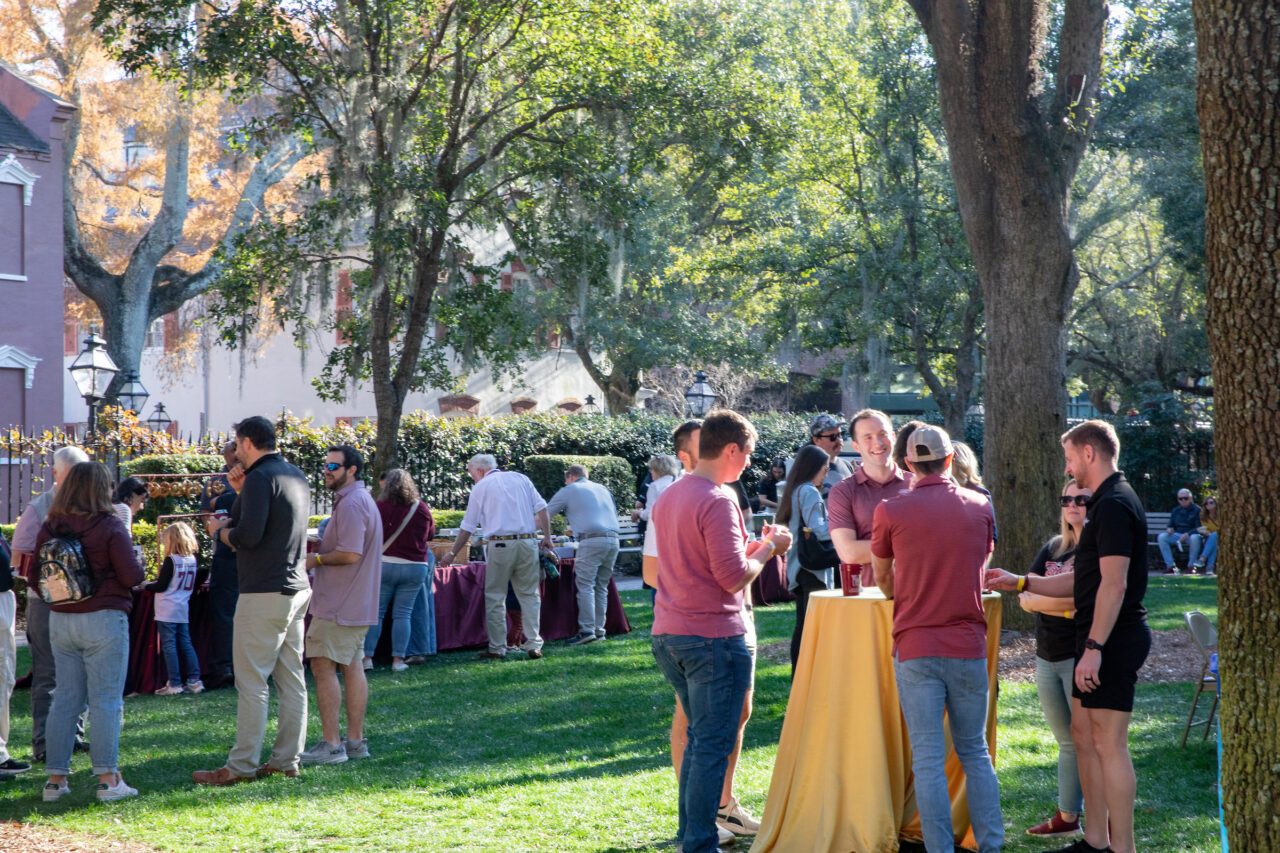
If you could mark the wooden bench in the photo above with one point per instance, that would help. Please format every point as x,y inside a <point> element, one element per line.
<point>1157,523</point>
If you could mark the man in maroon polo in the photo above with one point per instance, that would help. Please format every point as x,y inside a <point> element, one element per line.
<point>853,501</point>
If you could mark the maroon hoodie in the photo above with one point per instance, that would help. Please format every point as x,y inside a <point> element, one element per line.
<point>108,548</point>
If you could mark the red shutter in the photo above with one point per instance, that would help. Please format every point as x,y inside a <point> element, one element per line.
<point>441,331</point>
<point>342,305</point>
<point>518,266</point>
<point>172,429</point>
<point>553,340</point>
<point>508,282</point>
<point>70,337</point>
<point>170,331</point>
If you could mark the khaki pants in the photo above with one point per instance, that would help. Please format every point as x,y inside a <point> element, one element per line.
<point>268,642</point>
<point>516,561</point>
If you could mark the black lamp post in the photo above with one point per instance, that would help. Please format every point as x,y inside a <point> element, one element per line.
<point>132,394</point>
<point>591,408</point>
<point>93,371</point>
<point>159,420</point>
<point>700,396</point>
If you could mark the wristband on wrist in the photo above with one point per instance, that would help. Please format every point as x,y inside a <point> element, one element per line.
<point>1022,583</point>
<point>1066,614</point>
<point>319,560</point>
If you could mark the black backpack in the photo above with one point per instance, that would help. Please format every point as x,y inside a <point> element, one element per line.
<point>64,575</point>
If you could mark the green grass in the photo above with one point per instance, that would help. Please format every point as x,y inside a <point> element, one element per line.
<point>1170,596</point>
<point>567,754</point>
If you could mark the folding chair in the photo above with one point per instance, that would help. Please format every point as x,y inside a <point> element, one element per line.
<point>1206,640</point>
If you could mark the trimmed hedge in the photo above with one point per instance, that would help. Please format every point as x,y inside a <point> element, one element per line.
<point>435,450</point>
<point>612,472</point>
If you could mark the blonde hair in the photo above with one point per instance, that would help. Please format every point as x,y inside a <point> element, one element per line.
<point>178,538</point>
<point>1067,539</point>
<point>964,467</point>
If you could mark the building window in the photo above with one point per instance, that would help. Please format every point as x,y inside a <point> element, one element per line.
<point>155,335</point>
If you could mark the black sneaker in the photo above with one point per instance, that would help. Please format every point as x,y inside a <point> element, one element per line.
<point>581,638</point>
<point>1080,846</point>
<point>13,766</point>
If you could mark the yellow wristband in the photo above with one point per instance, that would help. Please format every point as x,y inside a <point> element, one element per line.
<point>1022,583</point>
<point>319,560</point>
<point>1066,614</point>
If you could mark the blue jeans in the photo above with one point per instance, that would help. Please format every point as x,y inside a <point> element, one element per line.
<point>401,583</point>
<point>1210,554</point>
<point>91,655</point>
<point>711,677</point>
<point>422,625</point>
<point>1053,685</point>
<point>926,687</point>
<point>1167,540</point>
<point>175,640</point>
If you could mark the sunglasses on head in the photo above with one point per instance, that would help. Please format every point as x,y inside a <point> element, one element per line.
<point>332,466</point>
<point>1068,500</point>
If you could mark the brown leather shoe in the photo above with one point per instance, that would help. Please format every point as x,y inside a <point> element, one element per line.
<point>488,655</point>
<point>534,654</point>
<point>218,778</point>
<point>267,770</point>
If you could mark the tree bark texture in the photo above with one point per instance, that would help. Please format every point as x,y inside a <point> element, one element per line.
<point>1015,140</point>
<point>1238,99</point>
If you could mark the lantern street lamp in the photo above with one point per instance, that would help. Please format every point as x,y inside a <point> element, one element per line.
<point>700,396</point>
<point>93,371</point>
<point>132,394</point>
<point>159,420</point>
<point>591,408</point>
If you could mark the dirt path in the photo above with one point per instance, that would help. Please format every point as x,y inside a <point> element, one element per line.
<point>35,839</point>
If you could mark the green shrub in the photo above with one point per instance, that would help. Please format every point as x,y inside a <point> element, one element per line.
<point>612,472</point>
<point>447,518</point>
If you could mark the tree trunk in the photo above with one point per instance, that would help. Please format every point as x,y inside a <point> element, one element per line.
<point>1015,140</point>
<point>1238,46</point>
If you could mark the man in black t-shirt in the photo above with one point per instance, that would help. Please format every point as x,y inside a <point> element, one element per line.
<point>1112,637</point>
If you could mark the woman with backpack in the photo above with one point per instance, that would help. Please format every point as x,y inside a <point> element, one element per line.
<point>87,570</point>
<point>800,506</point>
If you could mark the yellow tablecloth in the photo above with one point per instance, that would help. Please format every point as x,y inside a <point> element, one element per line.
<point>842,781</point>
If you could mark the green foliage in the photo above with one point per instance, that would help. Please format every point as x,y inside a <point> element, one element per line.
<point>435,450</point>
<point>1165,445</point>
<point>447,519</point>
<point>612,472</point>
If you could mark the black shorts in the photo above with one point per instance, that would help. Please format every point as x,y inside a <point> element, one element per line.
<point>1126,650</point>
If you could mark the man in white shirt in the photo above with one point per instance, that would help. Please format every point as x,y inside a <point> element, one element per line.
<point>510,510</point>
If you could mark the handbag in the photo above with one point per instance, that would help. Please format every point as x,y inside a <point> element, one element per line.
<point>816,555</point>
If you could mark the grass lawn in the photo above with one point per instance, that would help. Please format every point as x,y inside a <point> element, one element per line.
<point>564,754</point>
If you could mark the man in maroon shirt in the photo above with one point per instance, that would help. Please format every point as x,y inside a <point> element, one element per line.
<point>853,500</point>
<point>929,548</point>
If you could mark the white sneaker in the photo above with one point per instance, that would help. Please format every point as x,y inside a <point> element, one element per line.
<point>399,666</point>
<point>111,793</point>
<point>170,690</point>
<point>324,753</point>
<point>54,792</point>
<point>736,819</point>
<point>196,686</point>
<point>723,836</point>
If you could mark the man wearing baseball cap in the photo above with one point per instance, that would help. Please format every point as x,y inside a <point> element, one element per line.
<point>929,547</point>
<point>827,432</point>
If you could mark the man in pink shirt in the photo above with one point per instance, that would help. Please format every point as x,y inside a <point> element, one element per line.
<point>698,627</point>
<point>852,502</point>
<point>929,548</point>
<point>344,603</point>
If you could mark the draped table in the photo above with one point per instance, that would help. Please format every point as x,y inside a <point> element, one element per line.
<point>459,604</point>
<point>842,778</point>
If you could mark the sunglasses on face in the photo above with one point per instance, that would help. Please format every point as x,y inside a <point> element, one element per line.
<point>829,436</point>
<point>332,466</point>
<point>1076,500</point>
<point>1185,498</point>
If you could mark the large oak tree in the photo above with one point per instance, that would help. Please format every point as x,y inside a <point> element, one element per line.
<point>1017,92</point>
<point>1238,47</point>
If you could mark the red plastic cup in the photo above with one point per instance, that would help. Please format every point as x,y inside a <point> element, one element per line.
<point>851,578</point>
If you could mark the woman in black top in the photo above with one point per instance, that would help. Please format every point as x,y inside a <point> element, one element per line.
<point>1055,659</point>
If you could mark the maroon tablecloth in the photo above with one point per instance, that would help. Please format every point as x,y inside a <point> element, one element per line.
<point>459,594</point>
<point>771,586</point>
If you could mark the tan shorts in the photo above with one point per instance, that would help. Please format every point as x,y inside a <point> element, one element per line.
<point>342,644</point>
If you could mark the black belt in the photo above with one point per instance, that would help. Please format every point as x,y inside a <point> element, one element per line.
<point>509,536</point>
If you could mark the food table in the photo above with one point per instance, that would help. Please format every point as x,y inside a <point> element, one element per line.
<point>459,594</point>
<point>842,778</point>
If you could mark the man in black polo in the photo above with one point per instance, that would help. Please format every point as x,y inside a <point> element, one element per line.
<point>1112,637</point>
<point>268,530</point>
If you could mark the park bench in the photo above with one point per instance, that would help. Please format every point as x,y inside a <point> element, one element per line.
<point>1157,523</point>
